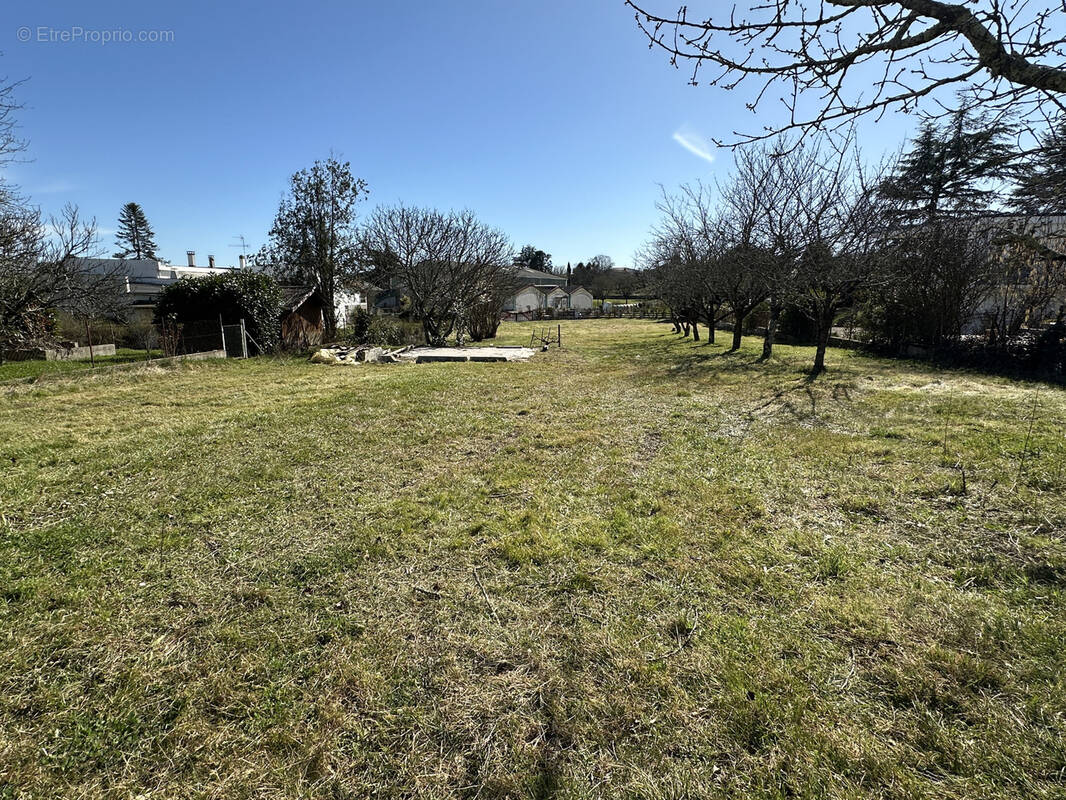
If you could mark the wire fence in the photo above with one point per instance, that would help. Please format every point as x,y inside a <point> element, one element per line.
<point>643,311</point>
<point>104,345</point>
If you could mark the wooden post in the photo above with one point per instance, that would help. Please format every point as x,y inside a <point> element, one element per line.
<point>89,336</point>
<point>222,329</point>
<point>244,340</point>
<point>559,335</point>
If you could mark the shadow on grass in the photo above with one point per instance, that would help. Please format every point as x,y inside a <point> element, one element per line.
<point>783,385</point>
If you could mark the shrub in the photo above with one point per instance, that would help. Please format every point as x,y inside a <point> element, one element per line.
<point>796,326</point>
<point>384,330</point>
<point>233,296</point>
<point>359,326</point>
<point>1047,354</point>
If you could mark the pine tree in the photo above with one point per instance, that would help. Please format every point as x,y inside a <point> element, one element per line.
<point>942,190</point>
<point>950,169</point>
<point>135,238</point>
<point>1040,187</point>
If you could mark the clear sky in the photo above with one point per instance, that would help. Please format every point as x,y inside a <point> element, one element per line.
<point>550,118</point>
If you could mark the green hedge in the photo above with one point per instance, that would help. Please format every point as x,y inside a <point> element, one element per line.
<point>240,294</point>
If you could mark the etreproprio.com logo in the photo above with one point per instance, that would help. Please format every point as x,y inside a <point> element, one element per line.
<point>77,34</point>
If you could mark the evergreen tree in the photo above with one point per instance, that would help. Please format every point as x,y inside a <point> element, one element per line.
<point>532,258</point>
<point>1040,186</point>
<point>940,250</point>
<point>135,238</point>
<point>951,169</point>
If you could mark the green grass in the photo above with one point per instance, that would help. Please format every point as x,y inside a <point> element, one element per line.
<point>11,370</point>
<point>634,567</point>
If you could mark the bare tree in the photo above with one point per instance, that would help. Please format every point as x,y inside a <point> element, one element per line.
<point>840,222</point>
<point>450,265</point>
<point>10,143</point>
<point>777,176</point>
<point>43,269</point>
<point>683,256</point>
<point>748,262</point>
<point>1029,282</point>
<point>42,263</point>
<point>997,55</point>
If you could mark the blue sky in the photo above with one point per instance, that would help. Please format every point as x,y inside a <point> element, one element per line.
<point>550,118</point>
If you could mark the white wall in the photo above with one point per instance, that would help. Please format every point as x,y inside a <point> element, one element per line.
<point>345,303</point>
<point>557,298</point>
<point>581,300</point>
<point>528,298</point>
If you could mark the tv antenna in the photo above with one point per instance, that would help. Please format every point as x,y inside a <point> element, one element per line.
<point>243,245</point>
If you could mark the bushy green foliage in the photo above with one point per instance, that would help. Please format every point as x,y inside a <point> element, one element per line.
<point>359,325</point>
<point>381,329</point>
<point>240,294</point>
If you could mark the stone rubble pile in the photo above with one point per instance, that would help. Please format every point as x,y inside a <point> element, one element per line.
<point>340,355</point>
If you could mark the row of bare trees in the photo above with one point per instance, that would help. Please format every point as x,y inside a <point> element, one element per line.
<point>811,229</point>
<point>795,225</point>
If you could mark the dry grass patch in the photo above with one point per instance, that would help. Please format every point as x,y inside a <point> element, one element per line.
<point>635,567</point>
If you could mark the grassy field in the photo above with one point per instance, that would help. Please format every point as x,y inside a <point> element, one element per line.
<point>11,370</point>
<point>635,567</point>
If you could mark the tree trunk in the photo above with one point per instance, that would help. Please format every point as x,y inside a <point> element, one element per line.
<point>433,334</point>
<point>825,326</point>
<point>771,329</point>
<point>738,330</point>
<point>695,329</point>
<point>329,313</point>
<point>684,327</point>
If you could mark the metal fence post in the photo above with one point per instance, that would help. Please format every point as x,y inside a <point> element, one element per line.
<point>89,337</point>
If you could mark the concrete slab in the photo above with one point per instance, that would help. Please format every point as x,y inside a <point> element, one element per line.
<point>430,355</point>
<point>433,359</point>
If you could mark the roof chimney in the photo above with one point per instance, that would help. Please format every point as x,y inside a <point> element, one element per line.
<point>244,261</point>
<point>192,257</point>
<point>211,261</point>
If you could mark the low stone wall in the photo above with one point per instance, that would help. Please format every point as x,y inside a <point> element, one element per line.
<point>206,354</point>
<point>79,353</point>
<point>846,344</point>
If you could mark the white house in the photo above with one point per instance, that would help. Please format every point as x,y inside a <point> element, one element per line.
<point>528,298</point>
<point>143,280</point>
<point>544,290</point>
<point>346,304</point>
<point>555,297</point>
<point>580,298</point>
